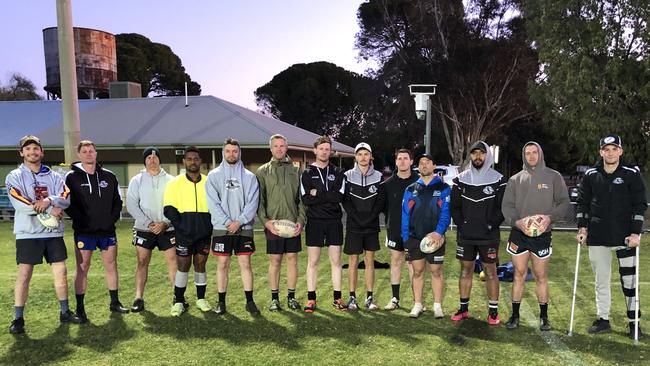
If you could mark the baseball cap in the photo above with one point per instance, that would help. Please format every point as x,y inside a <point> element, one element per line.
<point>29,139</point>
<point>478,145</point>
<point>426,156</point>
<point>611,140</point>
<point>362,145</point>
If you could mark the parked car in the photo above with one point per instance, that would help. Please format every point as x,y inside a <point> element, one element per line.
<point>447,172</point>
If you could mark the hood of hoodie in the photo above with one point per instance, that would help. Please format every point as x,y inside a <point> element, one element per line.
<point>355,175</point>
<point>483,175</point>
<point>541,164</point>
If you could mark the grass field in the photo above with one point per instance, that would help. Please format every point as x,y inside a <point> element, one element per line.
<point>325,337</point>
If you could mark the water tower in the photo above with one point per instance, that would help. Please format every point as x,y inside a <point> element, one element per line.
<point>95,57</point>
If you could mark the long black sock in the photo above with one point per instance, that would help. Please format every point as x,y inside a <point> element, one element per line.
<point>395,289</point>
<point>368,294</point>
<point>179,294</point>
<point>222,297</point>
<point>337,295</point>
<point>493,307</point>
<point>515,308</point>
<point>249,296</point>
<point>352,294</point>
<point>291,293</point>
<point>200,291</point>
<point>543,310</point>
<point>275,294</point>
<point>311,295</point>
<point>80,303</point>
<point>464,304</point>
<point>113,295</point>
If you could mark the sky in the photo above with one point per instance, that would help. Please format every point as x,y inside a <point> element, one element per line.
<point>230,47</point>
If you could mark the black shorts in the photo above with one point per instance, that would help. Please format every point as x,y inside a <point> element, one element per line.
<point>413,252</point>
<point>395,244</point>
<point>225,245</point>
<point>321,233</point>
<point>278,245</point>
<point>201,247</point>
<point>32,251</point>
<point>149,240</point>
<point>519,243</point>
<point>487,253</point>
<point>356,243</point>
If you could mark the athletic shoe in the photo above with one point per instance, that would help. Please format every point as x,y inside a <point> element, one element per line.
<point>117,307</point>
<point>437,312</point>
<point>544,324</point>
<point>138,306</point>
<point>416,311</point>
<point>252,308</point>
<point>203,305</point>
<point>275,305</point>
<point>352,304</point>
<point>631,325</point>
<point>600,325</point>
<point>82,316</point>
<point>178,308</point>
<point>460,315</point>
<point>393,304</point>
<point>293,304</point>
<point>69,317</point>
<point>513,322</point>
<point>221,308</point>
<point>338,304</point>
<point>494,320</point>
<point>17,326</point>
<point>310,307</point>
<point>370,303</point>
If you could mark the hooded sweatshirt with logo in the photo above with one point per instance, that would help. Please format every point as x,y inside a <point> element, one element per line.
<point>25,187</point>
<point>279,183</point>
<point>144,199</point>
<point>329,184</point>
<point>476,201</point>
<point>95,202</point>
<point>364,200</point>
<point>534,191</point>
<point>233,194</point>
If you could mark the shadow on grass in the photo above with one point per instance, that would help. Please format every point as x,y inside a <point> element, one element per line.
<point>27,351</point>
<point>103,338</point>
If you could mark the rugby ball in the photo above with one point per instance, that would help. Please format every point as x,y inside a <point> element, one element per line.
<point>533,225</point>
<point>429,245</point>
<point>285,228</point>
<point>47,220</point>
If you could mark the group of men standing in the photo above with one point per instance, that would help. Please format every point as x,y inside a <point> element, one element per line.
<point>192,215</point>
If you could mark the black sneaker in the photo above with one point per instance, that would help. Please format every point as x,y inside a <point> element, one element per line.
<point>631,325</point>
<point>513,322</point>
<point>544,324</point>
<point>599,325</point>
<point>138,306</point>
<point>82,316</point>
<point>69,317</point>
<point>117,307</point>
<point>17,326</point>
<point>220,309</point>
<point>252,308</point>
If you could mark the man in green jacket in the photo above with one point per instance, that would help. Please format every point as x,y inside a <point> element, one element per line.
<point>279,182</point>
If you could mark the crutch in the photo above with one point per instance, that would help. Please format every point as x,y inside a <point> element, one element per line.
<point>636,298</point>
<point>575,289</point>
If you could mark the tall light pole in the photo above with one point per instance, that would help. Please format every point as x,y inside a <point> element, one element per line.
<point>68,76</point>
<point>422,93</point>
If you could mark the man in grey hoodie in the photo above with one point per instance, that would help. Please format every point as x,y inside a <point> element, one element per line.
<point>536,190</point>
<point>233,193</point>
<point>34,189</point>
<point>144,201</point>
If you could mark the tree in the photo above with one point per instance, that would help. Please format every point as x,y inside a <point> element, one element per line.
<point>154,65</point>
<point>19,88</point>
<point>595,72</point>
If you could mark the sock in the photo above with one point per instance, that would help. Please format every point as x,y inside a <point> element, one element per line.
<point>200,281</point>
<point>291,293</point>
<point>515,308</point>
<point>64,306</point>
<point>179,294</point>
<point>311,295</point>
<point>113,295</point>
<point>368,294</point>
<point>19,311</point>
<point>337,295</point>
<point>179,286</point>
<point>249,296</point>
<point>352,294</point>
<point>543,310</point>
<point>80,303</point>
<point>275,294</point>
<point>395,289</point>
<point>464,304</point>
<point>222,297</point>
<point>493,307</point>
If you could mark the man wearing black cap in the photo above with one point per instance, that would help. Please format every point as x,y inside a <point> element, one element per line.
<point>476,209</point>
<point>611,205</point>
<point>151,229</point>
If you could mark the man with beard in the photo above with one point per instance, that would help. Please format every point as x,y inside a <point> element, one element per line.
<point>611,205</point>
<point>186,207</point>
<point>233,194</point>
<point>476,209</point>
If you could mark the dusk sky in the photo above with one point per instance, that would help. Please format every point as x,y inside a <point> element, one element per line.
<point>229,47</point>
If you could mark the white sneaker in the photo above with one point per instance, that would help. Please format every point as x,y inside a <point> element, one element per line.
<point>392,305</point>
<point>416,311</point>
<point>370,303</point>
<point>437,311</point>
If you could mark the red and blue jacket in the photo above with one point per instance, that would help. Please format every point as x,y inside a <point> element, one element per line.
<point>425,209</point>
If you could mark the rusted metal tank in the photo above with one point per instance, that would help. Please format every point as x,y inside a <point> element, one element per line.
<point>95,57</point>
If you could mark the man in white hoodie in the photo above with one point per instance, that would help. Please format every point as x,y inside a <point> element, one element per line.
<point>151,229</point>
<point>233,193</point>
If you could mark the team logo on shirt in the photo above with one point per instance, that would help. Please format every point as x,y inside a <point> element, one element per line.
<point>103,184</point>
<point>618,180</point>
<point>331,177</point>
<point>542,186</point>
<point>232,183</point>
<point>436,193</point>
<point>488,190</point>
<point>372,189</point>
